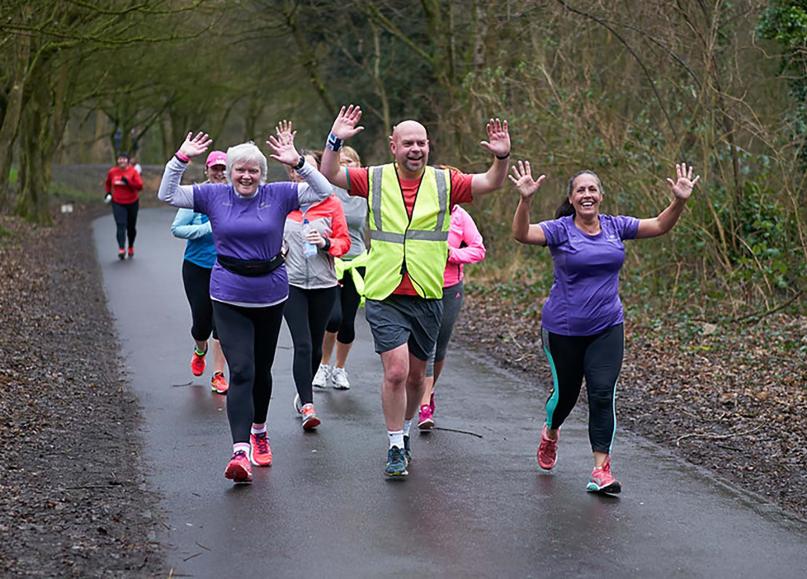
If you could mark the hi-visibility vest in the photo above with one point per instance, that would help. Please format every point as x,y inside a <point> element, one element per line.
<point>398,244</point>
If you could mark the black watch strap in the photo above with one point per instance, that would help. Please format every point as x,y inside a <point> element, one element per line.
<point>299,164</point>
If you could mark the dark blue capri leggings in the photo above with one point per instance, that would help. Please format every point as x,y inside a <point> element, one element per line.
<point>596,358</point>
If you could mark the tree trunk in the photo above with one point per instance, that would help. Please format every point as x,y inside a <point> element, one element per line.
<point>11,120</point>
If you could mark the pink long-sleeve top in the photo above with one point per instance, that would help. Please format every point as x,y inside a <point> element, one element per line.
<point>464,245</point>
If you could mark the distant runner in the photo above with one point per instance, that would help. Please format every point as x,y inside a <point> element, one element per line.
<point>582,321</point>
<point>123,185</point>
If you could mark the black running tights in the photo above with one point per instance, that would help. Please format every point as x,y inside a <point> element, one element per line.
<point>249,339</point>
<point>196,280</point>
<point>125,222</point>
<point>598,358</point>
<point>307,312</point>
<point>343,316</point>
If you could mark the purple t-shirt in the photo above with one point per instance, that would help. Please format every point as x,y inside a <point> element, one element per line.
<point>584,299</point>
<point>247,228</point>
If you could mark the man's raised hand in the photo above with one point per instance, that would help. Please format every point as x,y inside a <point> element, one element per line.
<point>498,141</point>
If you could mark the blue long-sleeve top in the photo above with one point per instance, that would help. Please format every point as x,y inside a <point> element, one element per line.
<point>195,227</point>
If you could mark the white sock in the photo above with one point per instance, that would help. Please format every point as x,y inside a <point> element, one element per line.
<point>407,426</point>
<point>395,438</point>
<point>258,428</point>
<point>241,447</point>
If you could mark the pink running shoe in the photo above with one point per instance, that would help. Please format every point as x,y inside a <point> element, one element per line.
<point>218,383</point>
<point>310,418</point>
<point>547,450</point>
<point>260,453</point>
<point>425,418</point>
<point>602,481</point>
<point>239,469</point>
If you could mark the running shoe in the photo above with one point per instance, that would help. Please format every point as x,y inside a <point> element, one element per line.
<point>239,469</point>
<point>298,404</point>
<point>396,464</point>
<point>339,379</point>
<point>407,450</point>
<point>322,376</point>
<point>310,419</point>
<point>218,383</point>
<point>131,252</point>
<point>260,453</point>
<point>121,254</point>
<point>547,450</point>
<point>198,363</point>
<point>425,418</point>
<point>602,481</point>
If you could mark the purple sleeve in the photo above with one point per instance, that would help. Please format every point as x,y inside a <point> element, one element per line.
<point>554,232</point>
<point>201,194</point>
<point>627,227</point>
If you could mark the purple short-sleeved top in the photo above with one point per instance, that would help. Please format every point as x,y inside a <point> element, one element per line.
<point>247,228</point>
<point>584,299</point>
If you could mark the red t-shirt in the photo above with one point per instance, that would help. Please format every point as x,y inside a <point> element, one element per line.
<point>358,184</point>
<point>121,192</point>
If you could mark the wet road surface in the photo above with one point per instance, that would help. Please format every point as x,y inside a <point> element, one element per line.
<point>474,504</point>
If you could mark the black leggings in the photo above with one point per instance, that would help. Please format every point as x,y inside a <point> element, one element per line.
<point>249,340</point>
<point>343,316</point>
<point>125,222</point>
<point>197,288</point>
<point>598,358</point>
<point>307,314</point>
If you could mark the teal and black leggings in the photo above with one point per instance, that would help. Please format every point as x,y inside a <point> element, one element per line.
<point>596,358</point>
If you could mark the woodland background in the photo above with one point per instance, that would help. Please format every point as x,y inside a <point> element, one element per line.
<point>625,88</point>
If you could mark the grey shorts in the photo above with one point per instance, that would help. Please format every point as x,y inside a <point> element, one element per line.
<point>408,320</point>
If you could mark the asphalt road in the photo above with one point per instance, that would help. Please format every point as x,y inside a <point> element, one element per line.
<point>474,504</point>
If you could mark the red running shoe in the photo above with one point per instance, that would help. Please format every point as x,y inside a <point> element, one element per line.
<point>218,383</point>
<point>131,251</point>
<point>198,362</point>
<point>602,481</point>
<point>547,450</point>
<point>239,470</point>
<point>309,415</point>
<point>260,453</point>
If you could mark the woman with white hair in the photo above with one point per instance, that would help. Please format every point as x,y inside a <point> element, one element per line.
<point>248,284</point>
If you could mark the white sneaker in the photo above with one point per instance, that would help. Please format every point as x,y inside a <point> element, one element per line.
<point>339,379</point>
<point>322,376</point>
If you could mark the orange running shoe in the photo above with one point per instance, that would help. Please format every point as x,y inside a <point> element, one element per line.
<point>218,383</point>
<point>239,470</point>
<point>260,453</point>
<point>309,415</point>
<point>131,251</point>
<point>198,362</point>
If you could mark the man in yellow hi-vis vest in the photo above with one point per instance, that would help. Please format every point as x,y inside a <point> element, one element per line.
<point>409,216</point>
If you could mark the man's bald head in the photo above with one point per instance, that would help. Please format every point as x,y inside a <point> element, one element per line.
<point>409,144</point>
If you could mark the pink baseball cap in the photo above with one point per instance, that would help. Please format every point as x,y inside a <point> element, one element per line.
<point>216,158</point>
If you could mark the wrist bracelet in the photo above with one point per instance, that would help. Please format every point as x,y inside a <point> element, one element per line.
<point>507,156</point>
<point>327,245</point>
<point>333,142</point>
<point>299,164</point>
<point>182,157</point>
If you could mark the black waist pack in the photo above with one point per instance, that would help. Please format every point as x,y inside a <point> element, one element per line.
<point>250,267</point>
